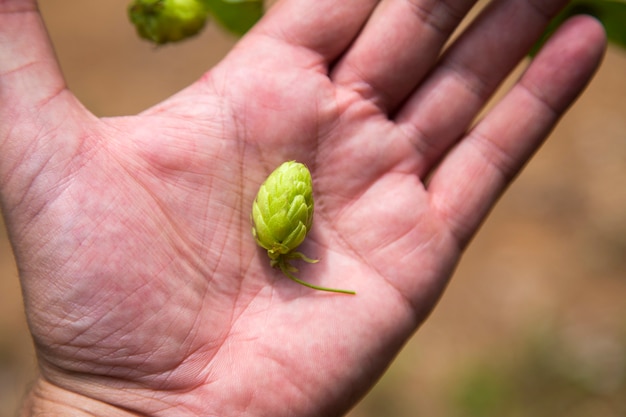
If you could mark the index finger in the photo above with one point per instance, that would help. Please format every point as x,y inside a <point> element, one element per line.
<point>324,27</point>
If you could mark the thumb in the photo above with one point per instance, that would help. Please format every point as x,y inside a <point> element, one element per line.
<point>29,72</point>
<point>34,100</point>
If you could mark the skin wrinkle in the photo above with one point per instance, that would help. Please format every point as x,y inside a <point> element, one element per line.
<point>494,155</point>
<point>21,7</point>
<point>61,324</point>
<point>319,137</point>
<point>541,98</point>
<point>471,81</point>
<point>19,69</point>
<point>319,65</point>
<point>444,22</point>
<point>239,226</point>
<point>205,240</point>
<point>208,86</point>
<point>350,249</point>
<point>224,351</point>
<point>509,11</point>
<point>60,403</point>
<point>132,324</point>
<point>450,216</point>
<point>225,342</point>
<point>58,94</point>
<point>233,216</point>
<point>219,343</point>
<point>103,365</point>
<point>105,371</point>
<point>410,304</point>
<point>355,201</point>
<point>279,369</point>
<point>188,355</point>
<point>52,97</point>
<point>59,186</point>
<point>183,246</point>
<point>171,166</point>
<point>169,383</point>
<point>240,312</point>
<point>423,145</point>
<point>274,359</point>
<point>235,316</point>
<point>365,90</point>
<point>278,360</point>
<point>34,177</point>
<point>172,376</point>
<point>87,155</point>
<point>202,374</point>
<point>354,186</point>
<point>105,399</point>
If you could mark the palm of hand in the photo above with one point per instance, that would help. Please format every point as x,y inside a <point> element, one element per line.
<point>160,278</point>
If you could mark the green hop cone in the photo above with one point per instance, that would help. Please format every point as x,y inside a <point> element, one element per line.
<point>282,215</point>
<point>283,209</point>
<point>162,21</point>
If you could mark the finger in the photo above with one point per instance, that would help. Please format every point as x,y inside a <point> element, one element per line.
<point>399,44</point>
<point>477,171</point>
<point>324,27</point>
<point>30,83</point>
<point>29,72</point>
<point>448,101</point>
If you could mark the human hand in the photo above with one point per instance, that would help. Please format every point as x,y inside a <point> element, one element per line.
<point>144,289</point>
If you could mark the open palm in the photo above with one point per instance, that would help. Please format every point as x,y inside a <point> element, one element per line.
<point>144,289</point>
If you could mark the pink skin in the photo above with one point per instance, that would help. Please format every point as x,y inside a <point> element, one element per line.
<point>144,290</point>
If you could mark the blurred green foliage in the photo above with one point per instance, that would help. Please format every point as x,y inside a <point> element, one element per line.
<point>164,21</point>
<point>611,13</point>
<point>236,16</point>
<point>581,376</point>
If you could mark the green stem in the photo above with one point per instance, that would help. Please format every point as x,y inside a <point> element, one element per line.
<point>283,268</point>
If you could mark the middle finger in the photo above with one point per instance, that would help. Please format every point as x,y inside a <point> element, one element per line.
<point>397,47</point>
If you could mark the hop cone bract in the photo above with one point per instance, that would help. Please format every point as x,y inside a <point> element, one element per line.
<point>162,21</point>
<point>282,212</point>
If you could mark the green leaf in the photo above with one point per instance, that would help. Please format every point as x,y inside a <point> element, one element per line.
<point>236,16</point>
<point>611,13</point>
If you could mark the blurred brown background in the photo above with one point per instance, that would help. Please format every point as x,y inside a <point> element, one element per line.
<point>534,321</point>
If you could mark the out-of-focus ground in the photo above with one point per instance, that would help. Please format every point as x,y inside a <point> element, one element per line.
<point>534,320</point>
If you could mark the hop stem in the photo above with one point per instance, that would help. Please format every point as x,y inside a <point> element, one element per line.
<point>285,268</point>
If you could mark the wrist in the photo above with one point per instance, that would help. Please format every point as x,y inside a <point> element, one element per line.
<point>45,398</point>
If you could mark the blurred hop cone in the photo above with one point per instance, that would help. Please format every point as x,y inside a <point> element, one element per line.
<point>163,21</point>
